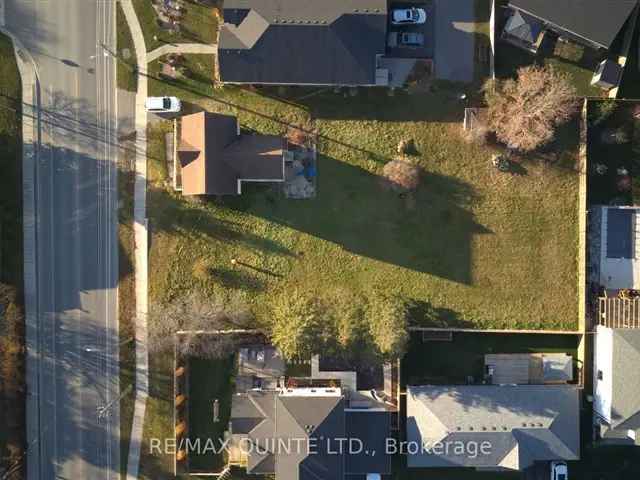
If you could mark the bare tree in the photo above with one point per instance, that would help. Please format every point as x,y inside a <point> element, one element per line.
<point>192,315</point>
<point>525,112</point>
<point>401,175</point>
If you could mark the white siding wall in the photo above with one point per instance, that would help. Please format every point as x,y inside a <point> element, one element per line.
<point>603,361</point>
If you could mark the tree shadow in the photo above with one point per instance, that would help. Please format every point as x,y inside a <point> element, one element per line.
<point>423,314</point>
<point>440,104</point>
<point>237,279</point>
<point>177,216</point>
<point>431,235</point>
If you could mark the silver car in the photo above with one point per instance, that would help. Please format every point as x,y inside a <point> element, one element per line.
<point>408,16</point>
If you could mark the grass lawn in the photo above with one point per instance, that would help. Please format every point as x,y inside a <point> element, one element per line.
<point>126,295</point>
<point>485,249</point>
<point>471,247</point>
<point>12,416</point>
<point>197,80</point>
<point>198,25</point>
<point>452,362</point>
<point>127,77</point>
<point>570,59</point>
<point>209,380</point>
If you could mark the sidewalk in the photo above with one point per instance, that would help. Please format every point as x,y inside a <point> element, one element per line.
<point>30,144</point>
<point>141,245</point>
<point>182,48</point>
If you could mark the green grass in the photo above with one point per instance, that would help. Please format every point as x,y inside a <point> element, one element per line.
<point>198,25</point>
<point>452,362</point>
<point>127,77</point>
<point>11,264</point>
<point>196,82</point>
<point>209,380</point>
<point>472,247</point>
<point>486,249</point>
<point>126,296</point>
<point>158,423</point>
<point>565,58</point>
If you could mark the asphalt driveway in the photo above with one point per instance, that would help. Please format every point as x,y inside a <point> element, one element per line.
<point>454,40</point>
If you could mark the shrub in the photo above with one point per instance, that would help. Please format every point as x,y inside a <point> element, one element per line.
<point>388,321</point>
<point>601,111</point>
<point>525,112</point>
<point>297,328</point>
<point>401,175</point>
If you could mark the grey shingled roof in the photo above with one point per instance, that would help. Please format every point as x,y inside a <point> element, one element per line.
<point>598,21</point>
<point>302,42</point>
<point>264,416</point>
<point>523,423</point>
<point>625,405</point>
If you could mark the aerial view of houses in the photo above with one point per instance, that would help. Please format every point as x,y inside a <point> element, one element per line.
<point>320,239</point>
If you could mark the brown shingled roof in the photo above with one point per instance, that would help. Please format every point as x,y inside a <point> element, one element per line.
<point>215,158</point>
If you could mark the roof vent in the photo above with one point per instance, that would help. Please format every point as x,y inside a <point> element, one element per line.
<point>471,429</point>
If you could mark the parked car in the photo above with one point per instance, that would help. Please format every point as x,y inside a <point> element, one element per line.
<point>406,39</point>
<point>559,471</point>
<point>408,16</point>
<point>163,104</point>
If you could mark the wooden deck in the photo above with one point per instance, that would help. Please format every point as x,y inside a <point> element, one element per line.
<point>619,312</point>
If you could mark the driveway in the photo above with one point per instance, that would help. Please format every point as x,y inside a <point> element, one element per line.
<point>454,40</point>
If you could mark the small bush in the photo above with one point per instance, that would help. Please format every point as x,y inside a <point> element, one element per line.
<point>601,111</point>
<point>401,175</point>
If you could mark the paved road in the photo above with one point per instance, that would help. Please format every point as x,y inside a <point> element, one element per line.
<point>74,368</point>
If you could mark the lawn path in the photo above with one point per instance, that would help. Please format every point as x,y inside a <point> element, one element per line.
<point>181,48</point>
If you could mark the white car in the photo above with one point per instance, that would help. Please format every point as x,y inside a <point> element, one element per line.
<point>559,471</point>
<point>408,16</point>
<point>163,104</point>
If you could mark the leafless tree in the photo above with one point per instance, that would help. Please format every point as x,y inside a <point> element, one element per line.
<point>525,112</point>
<point>192,316</point>
<point>401,175</point>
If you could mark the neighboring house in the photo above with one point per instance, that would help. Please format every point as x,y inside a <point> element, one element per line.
<point>492,427</point>
<point>216,158</point>
<point>307,425</point>
<point>294,42</point>
<point>594,23</point>
<point>617,384</point>
<point>296,433</point>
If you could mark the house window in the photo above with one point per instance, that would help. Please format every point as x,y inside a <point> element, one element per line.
<point>600,375</point>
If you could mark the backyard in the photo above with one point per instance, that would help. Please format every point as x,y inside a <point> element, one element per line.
<point>209,380</point>
<point>577,62</point>
<point>613,151</point>
<point>462,244</point>
<point>431,362</point>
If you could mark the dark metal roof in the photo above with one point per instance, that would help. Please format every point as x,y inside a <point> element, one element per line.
<point>372,429</point>
<point>597,21</point>
<point>294,42</point>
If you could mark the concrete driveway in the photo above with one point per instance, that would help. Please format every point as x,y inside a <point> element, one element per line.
<point>454,40</point>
